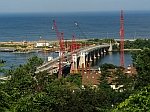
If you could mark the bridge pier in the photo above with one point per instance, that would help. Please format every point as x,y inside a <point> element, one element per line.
<point>94,56</point>
<point>82,60</point>
<point>93,51</point>
<point>89,57</point>
<point>110,48</point>
<point>74,64</point>
<point>98,54</point>
<point>86,58</point>
<point>102,52</point>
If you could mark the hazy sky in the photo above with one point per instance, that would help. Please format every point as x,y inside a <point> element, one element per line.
<point>72,5</point>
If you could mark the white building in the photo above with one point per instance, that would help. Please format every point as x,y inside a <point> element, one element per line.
<point>42,44</point>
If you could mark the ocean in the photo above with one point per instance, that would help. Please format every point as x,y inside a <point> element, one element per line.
<point>30,27</point>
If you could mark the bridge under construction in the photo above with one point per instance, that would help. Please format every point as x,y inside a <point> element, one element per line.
<point>80,56</point>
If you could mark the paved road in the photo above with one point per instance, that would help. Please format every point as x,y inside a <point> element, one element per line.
<point>54,64</point>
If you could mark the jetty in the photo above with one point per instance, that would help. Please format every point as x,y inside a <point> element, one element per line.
<point>7,49</point>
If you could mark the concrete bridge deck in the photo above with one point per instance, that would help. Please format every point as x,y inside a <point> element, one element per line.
<point>54,64</point>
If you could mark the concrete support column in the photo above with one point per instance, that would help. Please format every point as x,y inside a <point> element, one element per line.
<point>98,54</point>
<point>94,56</point>
<point>104,51</point>
<point>82,60</point>
<point>74,64</point>
<point>90,59</point>
<point>86,58</point>
<point>110,48</point>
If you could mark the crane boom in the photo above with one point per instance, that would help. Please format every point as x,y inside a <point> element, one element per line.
<point>60,37</point>
<point>122,39</point>
<point>56,29</point>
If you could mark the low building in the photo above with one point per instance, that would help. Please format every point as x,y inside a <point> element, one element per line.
<point>90,77</point>
<point>42,43</point>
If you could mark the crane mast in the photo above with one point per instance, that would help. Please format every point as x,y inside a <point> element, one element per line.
<point>60,37</point>
<point>122,39</point>
<point>79,28</point>
<point>73,55</point>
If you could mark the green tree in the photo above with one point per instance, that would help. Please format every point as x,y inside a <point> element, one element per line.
<point>138,102</point>
<point>21,84</point>
<point>142,64</point>
<point>32,63</point>
<point>5,99</point>
<point>113,75</point>
<point>137,44</point>
<point>75,78</point>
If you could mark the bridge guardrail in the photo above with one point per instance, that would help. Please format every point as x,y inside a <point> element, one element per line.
<point>48,65</point>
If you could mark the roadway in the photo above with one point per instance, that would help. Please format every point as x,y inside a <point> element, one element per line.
<point>54,64</point>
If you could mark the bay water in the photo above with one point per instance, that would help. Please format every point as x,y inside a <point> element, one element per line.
<point>32,27</point>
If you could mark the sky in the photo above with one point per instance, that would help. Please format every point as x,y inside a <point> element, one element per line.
<point>10,6</point>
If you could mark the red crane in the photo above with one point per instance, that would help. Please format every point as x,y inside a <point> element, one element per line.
<point>82,33</point>
<point>73,48</point>
<point>122,39</point>
<point>60,37</point>
<point>73,45</point>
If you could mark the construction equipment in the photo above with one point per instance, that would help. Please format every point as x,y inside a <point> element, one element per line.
<point>82,33</point>
<point>73,56</point>
<point>122,39</point>
<point>78,26</point>
<point>60,37</point>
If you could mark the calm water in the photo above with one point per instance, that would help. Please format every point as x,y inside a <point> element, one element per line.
<point>14,60</point>
<point>114,58</point>
<point>19,27</point>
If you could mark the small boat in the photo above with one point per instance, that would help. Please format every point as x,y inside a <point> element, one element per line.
<point>22,52</point>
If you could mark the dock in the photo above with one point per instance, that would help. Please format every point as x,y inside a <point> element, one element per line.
<point>7,49</point>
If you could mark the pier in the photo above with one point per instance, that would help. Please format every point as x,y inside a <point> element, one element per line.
<point>7,49</point>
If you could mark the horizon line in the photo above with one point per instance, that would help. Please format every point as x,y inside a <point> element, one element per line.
<point>107,11</point>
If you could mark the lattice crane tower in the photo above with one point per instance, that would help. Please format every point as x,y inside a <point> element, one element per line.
<point>122,39</point>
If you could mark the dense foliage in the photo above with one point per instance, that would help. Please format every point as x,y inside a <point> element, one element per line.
<point>26,91</point>
<point>30,92</point>
<point>142,64</point>
<point>140,100</point>
<point>137,44</point>
<point>100,41</point>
